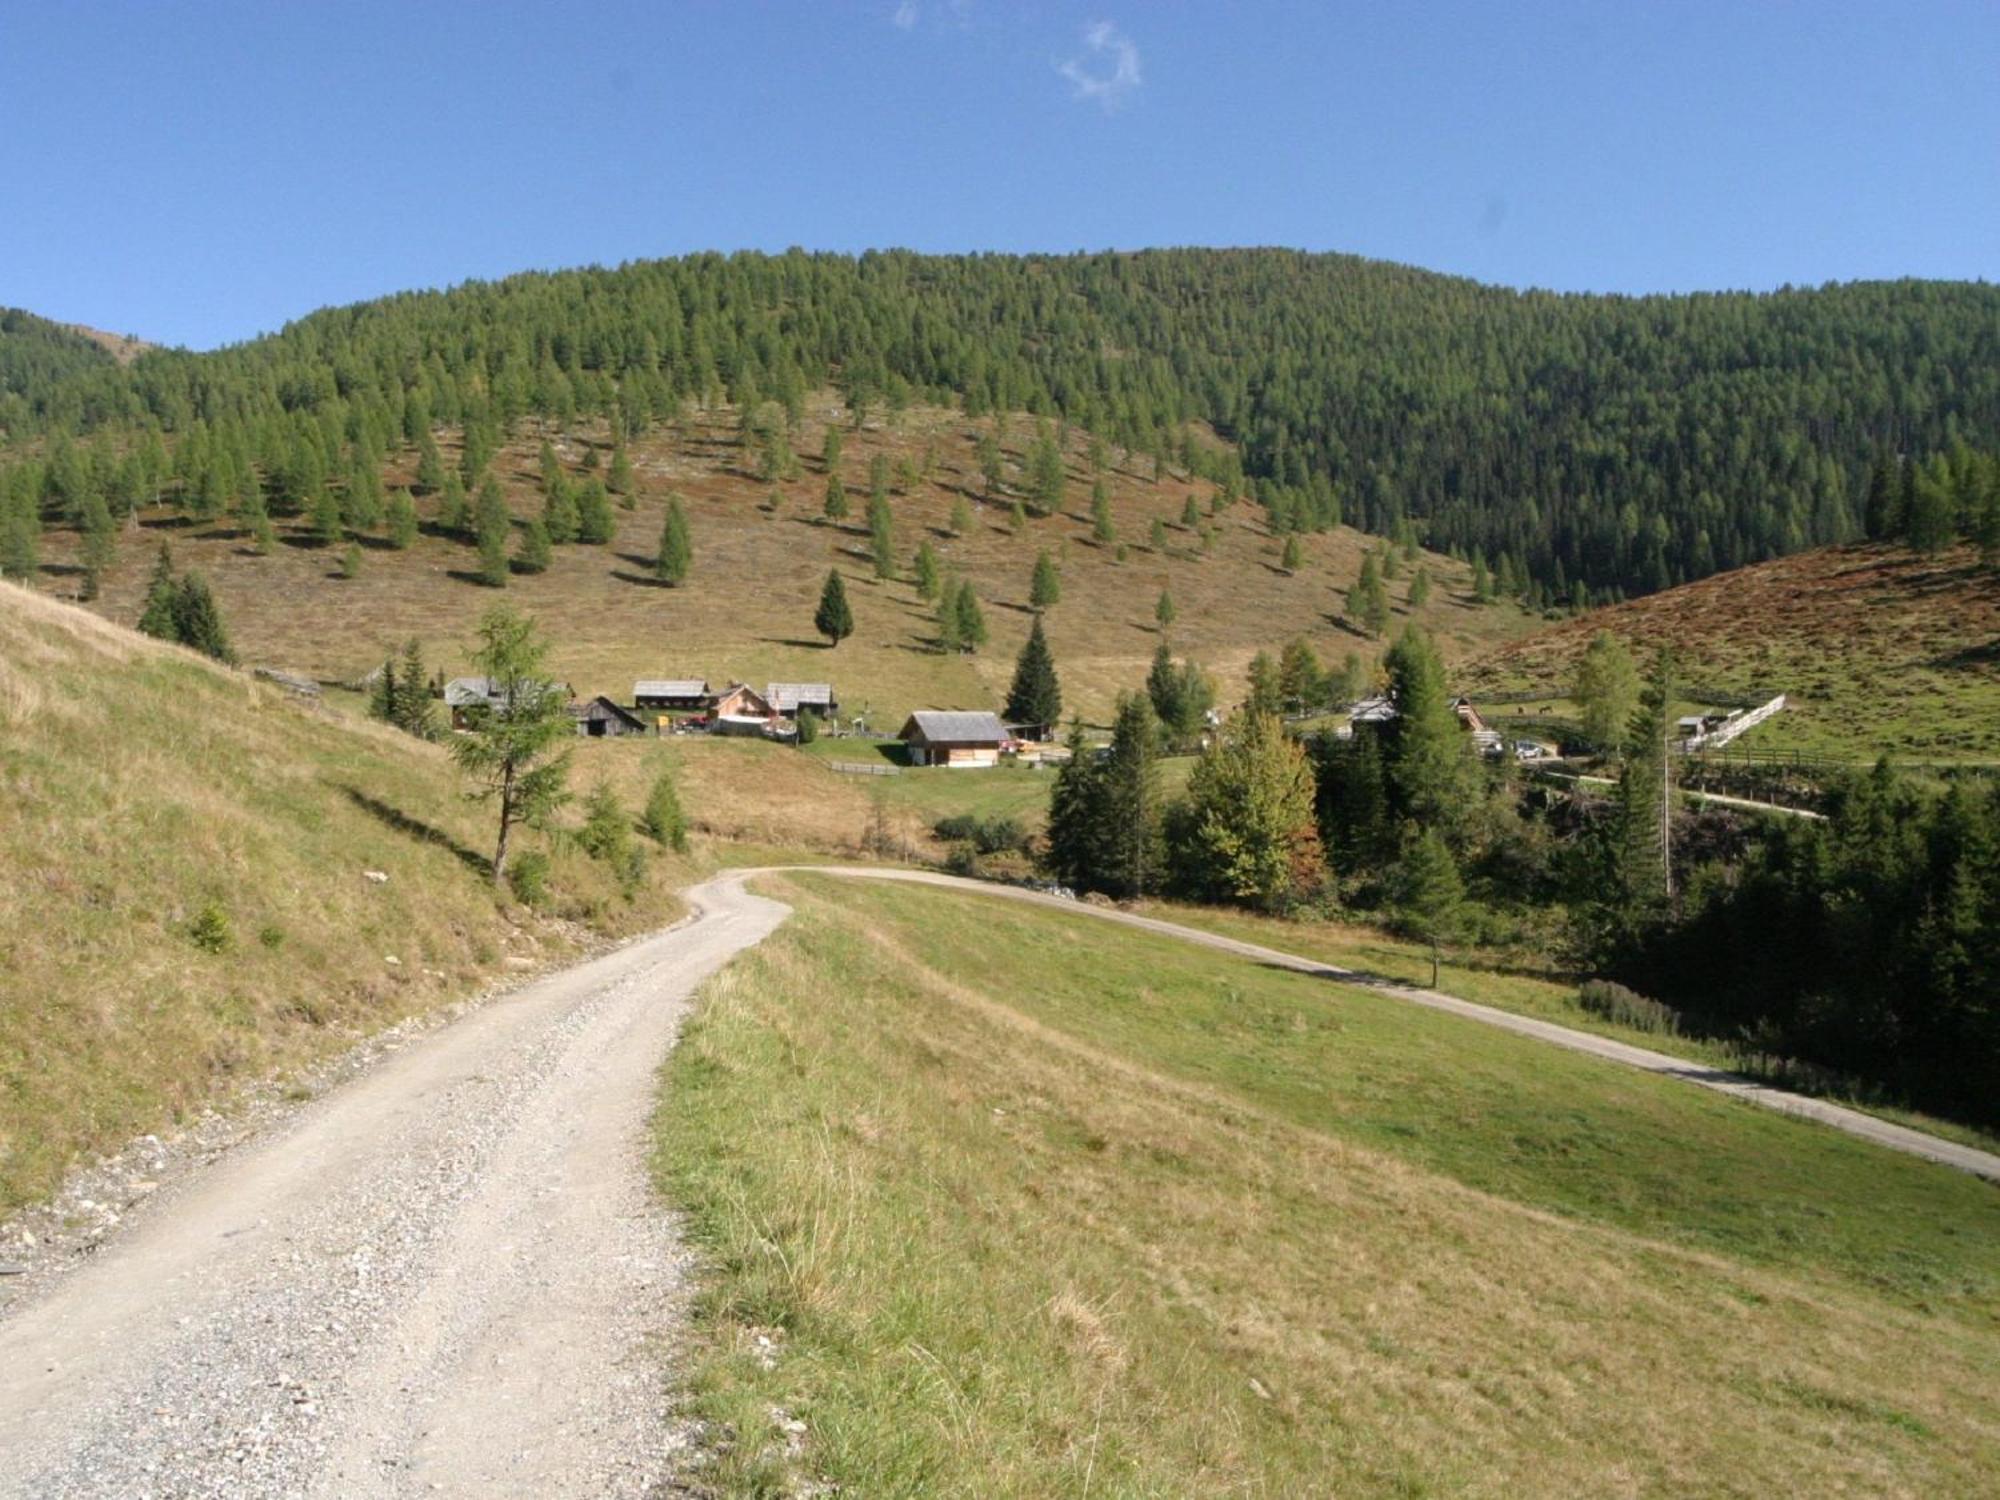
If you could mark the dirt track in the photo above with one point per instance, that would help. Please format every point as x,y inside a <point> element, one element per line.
<point>449,1277</point>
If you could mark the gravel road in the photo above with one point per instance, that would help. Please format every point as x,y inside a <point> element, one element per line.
<point>449,1277</point>
<point>445,1278</point>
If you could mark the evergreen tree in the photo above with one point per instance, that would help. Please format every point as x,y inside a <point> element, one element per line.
<point>1035,696</point>
<point>1642,880</point>
<point>925,569</point>
<point>430,465</point>
<point>100,541</point>
<point>618,479</point>
<point>595,522</point>
<point>1266,695</point>
<point>676,552</point>
<point>833,619</point>
<point>20,537</point>
<point>1017,518</point>
<point>1933,511</point>
<point>1430,769</point>
<point>1102,530</point>
<point>402,520</point>
<point>532,552</point>
<point>1045,587</point>
<point>454,515</point>
<point>830,449</point>
<point>492,525</point>
<point>350,561</point>
<point>1420,589</point>
<point>559,512</point>
<point>1164,684</point>
<point>362,509</point>
<point>1156,537</point>
<point>835,508</point>
<point>1293,555</point>
<point>882,535</point>
<point>1071,852</point>
<point>1190,515</point>
<point>197,622</point>
<point>992,467</point>
<point>156,618</point>
<point>1163,611</point>
<point>1367,603</point>
<point>1301,683</point>
<point>1607,689</point>
<point>1429,894</point>
<point>664,820</point>
<point>409,698</point>
<point>961,516</point>
<point>971,621</point>
<point>326,524</point>
<point>1129,804</point>
<point>1250,832</point>
<point>1047,476</point>
<point>512,747</point>
<point>878,481</point>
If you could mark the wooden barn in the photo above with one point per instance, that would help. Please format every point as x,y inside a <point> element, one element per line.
<point>788,698</point>
<point>470,697</point>
<point>954,738</point>
<point>680,695</point>
<point>600,718</point>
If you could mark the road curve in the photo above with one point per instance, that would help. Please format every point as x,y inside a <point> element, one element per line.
<point>1853,1122</point>
<point>449,1276</point>
<point>441,1279</point>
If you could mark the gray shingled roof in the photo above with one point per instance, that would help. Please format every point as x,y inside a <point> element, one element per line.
<point>670,687</point>
<point>958,727</point>
<point>786,696</point>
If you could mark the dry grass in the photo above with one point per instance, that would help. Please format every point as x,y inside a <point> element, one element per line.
<point>1881,651</point>
<point>1033,1208</point>
<point>141,786</point>
<point>746,611</point>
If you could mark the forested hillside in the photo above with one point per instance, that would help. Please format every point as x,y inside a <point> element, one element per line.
<point>1578,445</point>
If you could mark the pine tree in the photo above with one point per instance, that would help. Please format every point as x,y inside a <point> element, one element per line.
<point>532,552</point>
<point>197,622</point>
<point>618,479</point>
<point>961,516</point>
<point>1164,684</point>
<point>830,449</point>
<point>1035,696</point>
<point>157,617</point>
<point>1301,683</point>
<point>664,820</point>
<point>971,620</point>
<point>1163,611</point>
<point>100,541</point>
<point>492,525</point>
<point>559,513</point>
<point>1047,476</point>
<point>835,507</point>
<point>410,699</point>
<point>430,465</point>
<point>1251,833</point>
<point>1643,878</point>
<point>1045,587</point>
<point>511,749</point>
<point>595,522</point>
<point>1292,555</point>
<point>676,552</point>
<point>362,507</point>
<point>1129,804</point>
<point>925,569</point>
<point>326,524</point>
<point>833,619</point>
<point>1420,589</point>
<point>1606,687</point>
<point>1429,894</point>
<point>1430,768</point>
<point>402,520</point>
<point>454,515</point>
<point>882,535</point>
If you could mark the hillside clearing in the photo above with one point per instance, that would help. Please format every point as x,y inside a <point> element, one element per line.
<point>1056,1209</point>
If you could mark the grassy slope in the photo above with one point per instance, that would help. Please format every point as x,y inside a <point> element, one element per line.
<point>1881,651</point>
<point>746,611</point>
<point>1032,1207</point>
<point>137,785</point>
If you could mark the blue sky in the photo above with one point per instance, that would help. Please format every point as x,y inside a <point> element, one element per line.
<point>198,173</point>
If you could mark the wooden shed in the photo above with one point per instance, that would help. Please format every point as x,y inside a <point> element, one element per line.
<point>600,718</point>
<point>788,698</point>
<point>954,738</point>
<point>681,695</point>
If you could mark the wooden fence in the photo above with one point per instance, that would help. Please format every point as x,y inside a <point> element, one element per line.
<point>857,768</point>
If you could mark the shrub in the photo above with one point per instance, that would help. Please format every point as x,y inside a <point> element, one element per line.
<point>209,931</point>
<point>1614,1002</point>
<point>808,726</point>
<point>528,874</point>
<point>996,835</point>
<point>271,936</point>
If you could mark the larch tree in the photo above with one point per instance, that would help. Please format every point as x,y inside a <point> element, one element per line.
<point>1251,831</point>
<point>491,528</point>
<point>1045,587</point>
<point>924,569</point>
<point>676,554</point>
<point>1606,687</point>
<point>1428,891</point>
<point>512,747</point>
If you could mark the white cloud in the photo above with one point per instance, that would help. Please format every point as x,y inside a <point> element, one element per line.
<point>906,14</point>
<point>1109,71</point>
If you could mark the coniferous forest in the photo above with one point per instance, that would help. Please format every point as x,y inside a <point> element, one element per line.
<point>1583,446</point>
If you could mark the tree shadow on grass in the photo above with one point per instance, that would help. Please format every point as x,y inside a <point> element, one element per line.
<point>642,579</point>
<point>416,828</point>
<point>804,645</point>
